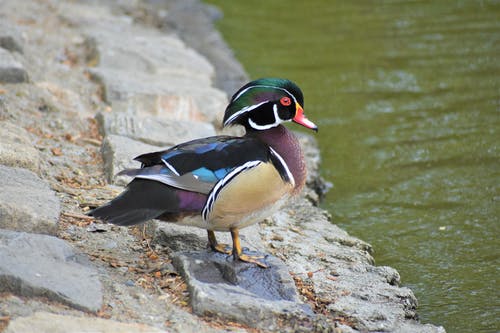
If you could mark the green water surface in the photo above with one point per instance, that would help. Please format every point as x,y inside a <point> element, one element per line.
<point>407,98</point>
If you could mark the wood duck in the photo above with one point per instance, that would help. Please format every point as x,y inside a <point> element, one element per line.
<point>223,183</point>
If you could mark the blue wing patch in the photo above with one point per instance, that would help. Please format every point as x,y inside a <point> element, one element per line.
<point>212,176</point>
<point>221,173</point>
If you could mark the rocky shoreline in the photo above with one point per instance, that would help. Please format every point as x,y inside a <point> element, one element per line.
<point>85,86</point>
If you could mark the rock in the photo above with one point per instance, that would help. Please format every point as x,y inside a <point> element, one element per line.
<point>169,106</point>
<point>26,202</point>
<point>16,148</point>
<point>160,54</point>
<point>118,153</point>
<point>193,21</point>
<point>179,238</point>
<point>10,43</point>
<point>414,326</point>
<point>10,38</point>
<point>11,71</point>
<point>240,291</point>
<point>341,270</point>
<point>146,71</point>
<point>152,130</point>
<point>45,322</point>
<point>60,97</point>
<point>132,91</point>
<point>145,309</point>
<point>141,48</point>
<point>39,265</point>
<point>263,295</point>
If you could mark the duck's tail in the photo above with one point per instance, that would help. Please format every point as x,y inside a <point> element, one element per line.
<point>141,201</point>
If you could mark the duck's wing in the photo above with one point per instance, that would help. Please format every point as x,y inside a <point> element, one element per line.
<point>198,165</point>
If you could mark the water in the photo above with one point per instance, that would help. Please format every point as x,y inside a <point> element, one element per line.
<point>407,97</point>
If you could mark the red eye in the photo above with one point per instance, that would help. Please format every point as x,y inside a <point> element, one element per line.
<point>285,101</point>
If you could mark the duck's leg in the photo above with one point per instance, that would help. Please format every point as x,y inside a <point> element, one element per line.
<point>238,252</point>
<point>218,247</point>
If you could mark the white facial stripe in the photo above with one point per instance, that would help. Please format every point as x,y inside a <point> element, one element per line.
<point>288,173</point>
<point>245,109</point>
<point>170,167</point>
<point>275,110</point>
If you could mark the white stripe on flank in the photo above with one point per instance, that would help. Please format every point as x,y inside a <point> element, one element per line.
<point>212,197</point>
<point>288,172</point>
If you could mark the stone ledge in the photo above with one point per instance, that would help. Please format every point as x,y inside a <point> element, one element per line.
<point>38,265</point>
<point>26,202</point>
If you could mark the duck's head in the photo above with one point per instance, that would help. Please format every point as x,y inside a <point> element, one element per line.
<point>265,103</point>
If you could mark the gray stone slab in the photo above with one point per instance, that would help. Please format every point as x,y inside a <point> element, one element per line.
<point>139,47</point>
<point>16,147</point>
<point>26,202</point>
<point>146,50</point>
<point>232,290</point>
<point>133,92</point>
<point>172,105</point>
<point>11,71</point>
<point>152,130</point>
<point>240,291</point>
<point>146,65</point>
<point>46,322</point>
<point>40,265</point>
<point>195,24</point>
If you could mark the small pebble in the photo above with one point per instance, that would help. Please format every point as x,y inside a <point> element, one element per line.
<point>123,269</point>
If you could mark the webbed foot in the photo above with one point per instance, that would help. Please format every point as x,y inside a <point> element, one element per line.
<point>218,247</point>
<point>238,252</point>
<point>250,259</point>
